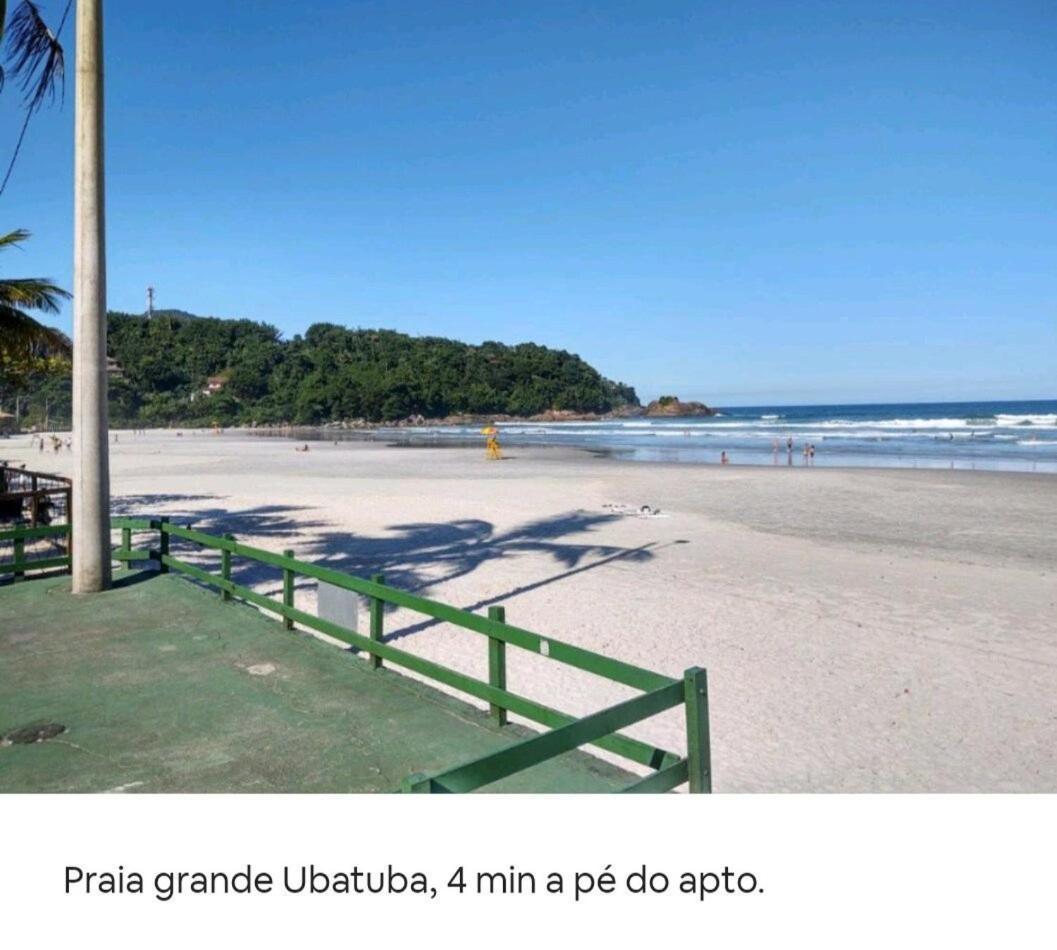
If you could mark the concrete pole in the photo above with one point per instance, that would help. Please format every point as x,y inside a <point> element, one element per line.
<point>91,482</point>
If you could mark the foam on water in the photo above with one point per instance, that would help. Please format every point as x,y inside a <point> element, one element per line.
<point>1017,436</point>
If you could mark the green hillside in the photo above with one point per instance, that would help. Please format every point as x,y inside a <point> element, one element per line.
<point>162,368</point>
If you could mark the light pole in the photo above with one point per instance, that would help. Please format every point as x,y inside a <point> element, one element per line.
<point>91,483</point>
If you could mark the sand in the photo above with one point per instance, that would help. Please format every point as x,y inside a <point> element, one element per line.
<point>864,630</point>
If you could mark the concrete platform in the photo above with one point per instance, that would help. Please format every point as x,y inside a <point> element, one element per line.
<point>164,688</point>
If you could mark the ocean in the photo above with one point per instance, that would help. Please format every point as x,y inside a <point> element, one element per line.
<point>1000,436</point>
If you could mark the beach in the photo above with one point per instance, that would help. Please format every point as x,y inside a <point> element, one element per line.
<point>864,630</point>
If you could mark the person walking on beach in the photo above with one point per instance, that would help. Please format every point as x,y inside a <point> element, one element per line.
<point>723,458</point>
<point>492,452</point>
<point>789,449</point>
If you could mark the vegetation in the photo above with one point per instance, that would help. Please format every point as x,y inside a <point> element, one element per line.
<point>162,367</point>
<point>30,352</point>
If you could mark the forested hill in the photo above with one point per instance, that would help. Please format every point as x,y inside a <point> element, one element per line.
<point>162,368</point>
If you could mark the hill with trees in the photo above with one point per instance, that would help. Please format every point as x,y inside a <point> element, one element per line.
<point>180,369</point>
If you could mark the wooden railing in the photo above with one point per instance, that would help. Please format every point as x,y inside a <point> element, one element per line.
<point>34,497</point>
<point>22,562</point>
<point>34,520</point>
<point>658,692</point>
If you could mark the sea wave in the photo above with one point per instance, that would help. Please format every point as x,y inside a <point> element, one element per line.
<point>1047,420</point>
<point>1024,429</point>
<point>784,423</point>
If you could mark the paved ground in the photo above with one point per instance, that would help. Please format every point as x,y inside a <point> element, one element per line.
<point>162,688</point>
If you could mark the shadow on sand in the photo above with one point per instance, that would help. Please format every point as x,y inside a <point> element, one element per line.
<point>416,557</point>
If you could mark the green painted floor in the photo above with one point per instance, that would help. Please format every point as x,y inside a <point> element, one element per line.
<point>163,688</point>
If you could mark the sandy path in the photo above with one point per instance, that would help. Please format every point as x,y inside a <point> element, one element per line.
<point>863,630</point>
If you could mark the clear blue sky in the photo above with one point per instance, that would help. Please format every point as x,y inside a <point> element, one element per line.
<point>745,202</point>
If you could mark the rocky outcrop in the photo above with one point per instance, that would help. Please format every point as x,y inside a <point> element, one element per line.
<point>672,406</point>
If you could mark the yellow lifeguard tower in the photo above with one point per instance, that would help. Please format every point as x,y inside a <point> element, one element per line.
<point>491,445</point>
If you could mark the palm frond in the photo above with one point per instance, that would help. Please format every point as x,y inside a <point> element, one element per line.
<point>34,293</point>
<point>21,334</point>
<point>14,238</point>
<point>3,23</point>
<point>37,59</point>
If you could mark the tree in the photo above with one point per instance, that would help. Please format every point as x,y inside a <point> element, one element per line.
<point>24,342</point>
<point>36,59</point>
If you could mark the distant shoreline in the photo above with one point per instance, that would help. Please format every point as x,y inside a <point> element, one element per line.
<point>1000,436</point>
<point>887,446</point>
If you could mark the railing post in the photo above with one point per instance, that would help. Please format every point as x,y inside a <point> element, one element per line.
<point>20,553</point>
<point>288,589</point>
<point>698,743</point>
<point>417,783</point>
<point>126,543</point>
<point>377,621</point>
<point>163,544</point>
<point>497,664</point>
<point>225,569</point>
<point>69,521</point>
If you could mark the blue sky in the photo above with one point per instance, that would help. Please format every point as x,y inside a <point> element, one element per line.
<point>743,202</point>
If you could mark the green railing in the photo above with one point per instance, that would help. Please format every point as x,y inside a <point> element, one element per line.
<point>21,562</point>
<point>658,692</point>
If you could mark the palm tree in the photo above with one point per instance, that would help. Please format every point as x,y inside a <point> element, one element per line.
<point>36,61</point>
<point>36,58</point>
<point>19,332</point>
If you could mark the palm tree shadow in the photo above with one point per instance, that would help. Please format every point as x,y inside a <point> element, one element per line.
<point>416,557</point>
<point>422,556</point>
<point>642,552</point>
<point>267,521</point>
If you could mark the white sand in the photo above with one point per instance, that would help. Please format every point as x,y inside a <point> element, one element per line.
<point>863,630</point>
